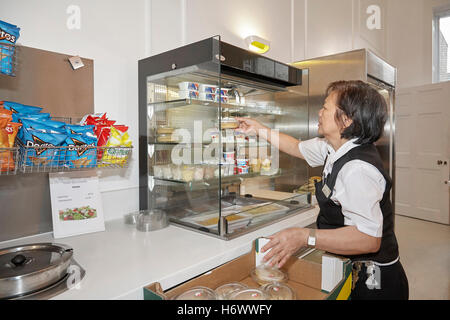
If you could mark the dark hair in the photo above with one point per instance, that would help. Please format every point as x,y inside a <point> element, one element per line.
<point>364,106</point>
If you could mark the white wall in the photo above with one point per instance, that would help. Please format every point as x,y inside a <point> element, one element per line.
<point>112,33</point>
<point>297,29</point>
<point>410,40</point>
<point>116,34</point>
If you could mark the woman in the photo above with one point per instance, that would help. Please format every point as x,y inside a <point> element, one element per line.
<point>356,218</point>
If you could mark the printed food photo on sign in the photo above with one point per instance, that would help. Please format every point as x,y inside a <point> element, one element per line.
<point>81,213</point>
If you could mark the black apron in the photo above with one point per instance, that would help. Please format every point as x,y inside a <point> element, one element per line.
<point>331,217</point>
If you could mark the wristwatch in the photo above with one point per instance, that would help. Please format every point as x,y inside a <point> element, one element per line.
<point>312,238</point>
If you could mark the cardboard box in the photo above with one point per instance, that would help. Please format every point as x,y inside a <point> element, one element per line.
<point>305,278</point>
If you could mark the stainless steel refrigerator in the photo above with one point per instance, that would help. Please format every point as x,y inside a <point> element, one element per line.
<point>354,65</point>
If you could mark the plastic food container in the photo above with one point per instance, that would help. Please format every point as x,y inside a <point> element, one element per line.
<point>265,274</point>
<point>266,164</point>
<point>164,130</point>
<point>189,86</point>
<point>255,165</point>
<point>207,96</point>
<point>215,136</point>
<point>229,123</point>
<point>169,137</point>
<point>223,99</point>
<point>187,173</point>
<point>242,169</point>
<point>198,173</point>
<point>188,94</point>
<point>209,172</point>
<point>224,291</point>
<point>240,137</point>
<point>208,88</point>
<point>229,157</point>
<point>241,162</point>
<point>278,291</point>
<point>248,294</point>
<point>167,171</point>
<point>228,169</point>
<point>197,293</point>
<point>252,139</point>
<point>222,91</point>
<point>177,172</point>
<point>158,172</point>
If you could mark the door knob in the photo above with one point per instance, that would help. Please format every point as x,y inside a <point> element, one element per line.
<point>439,162</point>
<point>447,182</point>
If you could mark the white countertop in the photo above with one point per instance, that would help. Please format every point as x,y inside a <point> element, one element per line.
<point>120,261</point>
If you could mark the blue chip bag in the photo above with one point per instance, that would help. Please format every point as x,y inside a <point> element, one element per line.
<point>39,148</point>
<point>48,126</point>
<point>16,107</point>
<point>17,117</point>
<point>9,34</point>
<point>81,151</point>
<point>79,129</point>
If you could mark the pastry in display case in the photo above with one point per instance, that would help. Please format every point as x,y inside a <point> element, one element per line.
<point>195,161</point>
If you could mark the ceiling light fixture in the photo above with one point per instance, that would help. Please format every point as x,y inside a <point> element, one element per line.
<point>257,44</point>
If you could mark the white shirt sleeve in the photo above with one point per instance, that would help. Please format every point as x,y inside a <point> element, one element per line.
<point>314,151</point>
<point>359,189</point>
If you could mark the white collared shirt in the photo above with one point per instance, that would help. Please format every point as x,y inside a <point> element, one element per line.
<point>359,185</point>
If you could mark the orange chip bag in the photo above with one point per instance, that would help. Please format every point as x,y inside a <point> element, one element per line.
<point>12,129</point>
<point>5,111</point>
<point>4,142</point>
<point>6,156</point>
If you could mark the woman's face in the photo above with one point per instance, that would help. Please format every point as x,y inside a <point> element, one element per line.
<point>327,121</point>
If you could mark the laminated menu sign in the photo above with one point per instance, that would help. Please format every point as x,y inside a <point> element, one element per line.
<point>76,203</point>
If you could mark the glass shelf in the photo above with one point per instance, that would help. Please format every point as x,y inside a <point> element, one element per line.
<point>170,104</point>
<point>201,184</point>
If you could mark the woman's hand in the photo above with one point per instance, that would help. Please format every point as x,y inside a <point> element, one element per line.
<point>248,125</point>
<point>284,244</point>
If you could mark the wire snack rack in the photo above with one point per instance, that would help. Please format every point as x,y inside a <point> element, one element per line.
<point>30,159</point>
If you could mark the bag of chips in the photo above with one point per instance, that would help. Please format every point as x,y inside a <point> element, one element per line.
<point>40,148</point>
<point>12,129</point>
<point>17,117</point>
<point>114,154</point>
<point>78,129</point>
<point>81,151</point>
<point>21,108</point>
<point>8,132</point>
<point>9,34</point>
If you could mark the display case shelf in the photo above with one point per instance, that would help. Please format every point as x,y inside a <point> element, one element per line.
<point>242,108</point>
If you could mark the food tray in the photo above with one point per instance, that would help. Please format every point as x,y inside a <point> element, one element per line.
<point>261,209</point>
<point>210,221</point>
<point>54,159</point>
<point>8,160</point>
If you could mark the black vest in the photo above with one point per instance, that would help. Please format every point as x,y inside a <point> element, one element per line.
<point>331,217</point>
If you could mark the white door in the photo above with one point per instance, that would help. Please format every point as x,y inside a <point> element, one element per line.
<point>422,143</point>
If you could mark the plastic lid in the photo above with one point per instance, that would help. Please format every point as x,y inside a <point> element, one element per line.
<point>224,291</point>
<point>278,291</point>
<point>248,294</point>
<point>265,274</point>
<point>197,293</point>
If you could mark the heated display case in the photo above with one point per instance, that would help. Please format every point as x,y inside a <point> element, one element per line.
<point>194,162</point>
